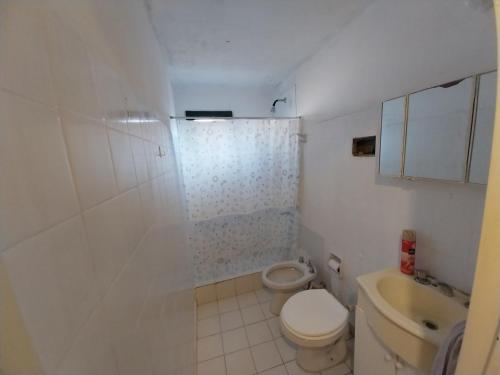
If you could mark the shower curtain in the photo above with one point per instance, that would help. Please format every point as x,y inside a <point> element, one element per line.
<point>241,181</point>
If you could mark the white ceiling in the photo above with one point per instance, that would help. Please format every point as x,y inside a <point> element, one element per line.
<point>245,42</point>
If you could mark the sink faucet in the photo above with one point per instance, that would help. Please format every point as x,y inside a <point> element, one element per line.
<point>423,277</point>
<point>446,289</point>
<point>310,265</point>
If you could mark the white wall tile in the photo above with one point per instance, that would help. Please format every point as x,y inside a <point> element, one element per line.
<point>112,293</point>
<point>36,188</point>
<point>154,161</point>
<point>123,161</point>
<point>140,161</point>
<point>125,300</point>
<point>24,61</point>
<point>92,351</point>
<point>133,355</point>
<point>90,158</point>
<point>110,95</point>
<point>446,217</point>
<point>71,68</point>
<point>106,240</point>
<point>53,279</point>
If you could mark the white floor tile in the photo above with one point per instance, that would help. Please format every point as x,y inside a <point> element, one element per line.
<point>266,356</point>
<point>287,349</point>
<point>341,369</point>
<point>263,295</point>
<point>208,327</point>
<point>209,347</point>
<point>274,326</point>
<point>240,363</point>
<point>266,309</point>
<point>216,366</point>
<point>293,369</point>
<point>280,370</point>
<point>247,299</point>
<point>228,304</point>
<point>234,340</point>
<point>258,333</point>
<point>252,314</point>
<point>207,310</point>
<point>231,320</point>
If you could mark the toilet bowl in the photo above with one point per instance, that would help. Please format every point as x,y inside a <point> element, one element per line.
<point>285,279</point>
<point>317,323</point>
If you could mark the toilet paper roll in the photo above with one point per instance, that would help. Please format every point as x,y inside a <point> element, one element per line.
<point>334,265</point>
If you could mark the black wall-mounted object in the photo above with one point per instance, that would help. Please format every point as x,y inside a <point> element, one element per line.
<point>208,114</point>
<point>364,146</point>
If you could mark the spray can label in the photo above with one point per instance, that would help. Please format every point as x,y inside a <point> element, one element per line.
<point>408,257</point>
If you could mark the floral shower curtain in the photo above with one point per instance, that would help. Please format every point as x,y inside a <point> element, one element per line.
<point>241,181</point>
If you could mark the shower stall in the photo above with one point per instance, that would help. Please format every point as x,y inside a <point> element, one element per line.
<point>241,179</point>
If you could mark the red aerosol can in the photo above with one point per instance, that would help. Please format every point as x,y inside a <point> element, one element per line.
<point>408,245</point>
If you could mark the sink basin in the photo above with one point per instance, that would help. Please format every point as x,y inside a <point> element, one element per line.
<point>410,318</point>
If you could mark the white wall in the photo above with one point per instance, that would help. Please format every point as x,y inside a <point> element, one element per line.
<point>244,101</point>
<point>394,47</point>
<point>92,236</point>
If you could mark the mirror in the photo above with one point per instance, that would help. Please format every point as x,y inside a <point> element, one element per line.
<point>392,137</point>
<point>438,131</point>
<point>483,129</point>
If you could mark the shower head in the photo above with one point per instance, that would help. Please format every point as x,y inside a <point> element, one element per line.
<point>273,108</point>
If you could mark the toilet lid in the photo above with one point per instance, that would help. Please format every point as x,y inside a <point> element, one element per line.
<point>313,313</point>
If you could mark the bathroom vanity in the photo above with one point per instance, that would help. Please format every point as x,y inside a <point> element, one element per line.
<point>400,324</point>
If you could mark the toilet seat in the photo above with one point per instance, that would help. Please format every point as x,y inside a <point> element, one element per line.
<point>299,276</point>
<point>313,318</point>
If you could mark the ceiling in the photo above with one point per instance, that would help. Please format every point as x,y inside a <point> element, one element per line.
<point>245,42</point>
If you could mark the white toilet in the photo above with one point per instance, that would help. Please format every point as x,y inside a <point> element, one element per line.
<point>285,279</point>
<point>317,323</point>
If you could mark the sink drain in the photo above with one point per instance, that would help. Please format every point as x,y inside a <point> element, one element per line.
<point>430,324</point>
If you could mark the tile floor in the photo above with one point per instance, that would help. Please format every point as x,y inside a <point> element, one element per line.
<point>239,336</point>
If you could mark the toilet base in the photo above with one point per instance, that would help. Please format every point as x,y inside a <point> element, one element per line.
<point>279,299</point>
<point>320,359</point>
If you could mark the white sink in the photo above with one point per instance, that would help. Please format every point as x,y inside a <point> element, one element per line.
<point>410,318</point>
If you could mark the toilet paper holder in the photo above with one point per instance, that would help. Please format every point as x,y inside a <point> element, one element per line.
<point>335,263</point>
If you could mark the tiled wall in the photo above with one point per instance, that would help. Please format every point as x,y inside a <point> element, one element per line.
<point>97,279</point>
<point>346,207</point>
<point>352,211</point>
<point>229,288</point>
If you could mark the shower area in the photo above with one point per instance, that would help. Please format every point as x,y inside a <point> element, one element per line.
<point>241,180</point>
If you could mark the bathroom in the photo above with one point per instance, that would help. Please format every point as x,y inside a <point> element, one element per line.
<point>224,187</point>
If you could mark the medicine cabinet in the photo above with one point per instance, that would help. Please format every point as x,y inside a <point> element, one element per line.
<point>440,133</point>
<point>483,128</point>
<point>392,137</point>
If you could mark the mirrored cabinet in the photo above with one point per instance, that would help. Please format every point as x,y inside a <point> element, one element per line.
<point>440,133</point>
<point>437,136</point>
<point>392,136</point>
<point>483,128</point>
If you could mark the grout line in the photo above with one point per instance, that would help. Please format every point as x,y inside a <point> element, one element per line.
<point>249,347</point>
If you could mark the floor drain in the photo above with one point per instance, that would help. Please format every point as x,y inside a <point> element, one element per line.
<point>430,324</point>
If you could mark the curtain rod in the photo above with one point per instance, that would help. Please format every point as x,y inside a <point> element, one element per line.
<point>235,118</point>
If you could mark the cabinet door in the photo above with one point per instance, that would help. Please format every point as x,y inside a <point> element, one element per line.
<point>403,368</point>
<point>483,129</point>
<point>438,131</point>
<point>370,355</point>
<point>392,137</point>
